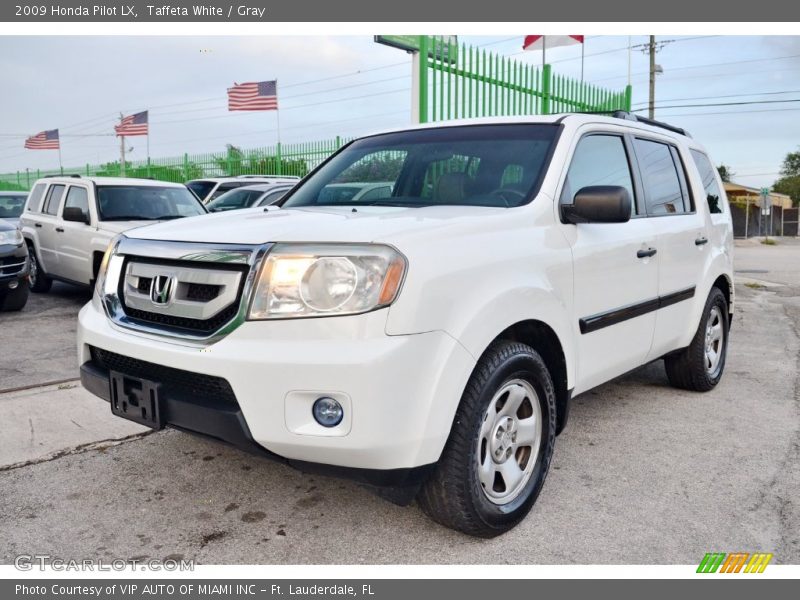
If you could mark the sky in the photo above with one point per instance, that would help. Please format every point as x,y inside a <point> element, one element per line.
<point>349,85</point>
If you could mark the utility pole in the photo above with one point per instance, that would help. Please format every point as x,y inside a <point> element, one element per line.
<point>651,108</point>
<point>121,151</point>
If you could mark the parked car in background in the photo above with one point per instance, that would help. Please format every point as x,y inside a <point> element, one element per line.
<point>68,222</point>
<point>362,193</point>
<point>209,188</point>
<point>11,205</point>
<point>13,267</point>
<point>429,339</point>
<point>249,196</point>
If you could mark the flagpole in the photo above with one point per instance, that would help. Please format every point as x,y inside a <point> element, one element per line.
<point>583,44</point>
<point>544,45</point>
<point>148,142</point>
<point>278,112</point>
<point>60,164</point>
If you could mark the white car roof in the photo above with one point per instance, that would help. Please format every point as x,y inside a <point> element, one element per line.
<point>573,119</point>
<point>254,179</point>
<point>111,181</point>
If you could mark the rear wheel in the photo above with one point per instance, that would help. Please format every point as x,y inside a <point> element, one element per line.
<point>15,299</point>
<point>39,282</point>
<point>699,367</point>
<point>496,459</point>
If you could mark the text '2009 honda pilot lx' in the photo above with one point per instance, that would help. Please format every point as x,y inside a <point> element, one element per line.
<point>429,340</point>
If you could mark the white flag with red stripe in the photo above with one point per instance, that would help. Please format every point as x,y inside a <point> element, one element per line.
<point>537,42</point>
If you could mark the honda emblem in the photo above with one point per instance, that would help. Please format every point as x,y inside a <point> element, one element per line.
<point>161,289</point>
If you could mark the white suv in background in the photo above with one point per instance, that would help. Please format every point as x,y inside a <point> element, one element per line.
<point>69,221</point>
<point>212,187</point>
<point>429,340</point>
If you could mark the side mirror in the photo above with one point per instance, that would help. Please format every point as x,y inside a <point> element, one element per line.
<point>75,214</point>
<point>598,204</point>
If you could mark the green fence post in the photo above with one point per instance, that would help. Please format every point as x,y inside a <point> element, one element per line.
<point>185,167</point>
<point>546,80</point>
<point>28,178</point>
<point>423,79</point>
<point>338,143</point>
<point>88,173</point>
<point>628,95</point>
<point>280,160</point>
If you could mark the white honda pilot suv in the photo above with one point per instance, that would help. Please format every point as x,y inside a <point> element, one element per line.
<point>429,341</point>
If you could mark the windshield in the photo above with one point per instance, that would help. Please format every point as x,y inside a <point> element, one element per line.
<point>240,198</point>
<point>201,188</point>
<point>146,203</point>
<point>11,205</point>
<point>477,165</point>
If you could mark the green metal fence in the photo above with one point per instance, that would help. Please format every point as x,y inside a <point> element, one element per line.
<point>457,82</point>
<point>280,159</point>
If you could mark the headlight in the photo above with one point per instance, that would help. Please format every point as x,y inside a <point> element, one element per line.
<point>313,280</point>
<point>12,236</point>
<point>102,271</point>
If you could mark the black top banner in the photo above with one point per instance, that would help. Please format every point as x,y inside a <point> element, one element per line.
<point>406,11</point>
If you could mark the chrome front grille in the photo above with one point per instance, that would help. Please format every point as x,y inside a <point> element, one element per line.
<point>193,291</point>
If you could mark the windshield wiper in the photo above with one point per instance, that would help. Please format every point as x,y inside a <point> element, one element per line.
<point>167,217</point>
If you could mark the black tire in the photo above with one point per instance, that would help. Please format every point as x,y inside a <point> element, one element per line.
<point>38,280</point>
<point>689,368</point>
<point>454,496</point>
<point>15,299</point>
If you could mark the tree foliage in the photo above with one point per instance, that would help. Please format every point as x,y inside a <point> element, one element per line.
<point>789,182</point>
<point>725,173</point>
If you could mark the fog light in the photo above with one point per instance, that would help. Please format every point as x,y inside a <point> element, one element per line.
<point>327,412</point>
<point>13,285</point>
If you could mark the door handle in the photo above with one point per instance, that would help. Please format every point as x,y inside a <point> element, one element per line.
<point>646,253</point>
<point>37,224</point>
<point>60,229</point>
<point>700,241</point>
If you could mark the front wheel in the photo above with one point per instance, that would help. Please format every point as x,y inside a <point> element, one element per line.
<point>499,450</point>
<point>699,366</point>
<point>38,281</point>
<point>15,299</point>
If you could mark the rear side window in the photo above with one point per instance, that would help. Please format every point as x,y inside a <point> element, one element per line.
<point>225,187</point>
<point>53,199</point>
<point>598,160</point>
<point>35,199</point>
<point>663,184</point>
<point>709,176</point>
<point>77,197</point>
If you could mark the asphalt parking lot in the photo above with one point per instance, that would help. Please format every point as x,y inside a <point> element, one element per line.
<point>643,473</point>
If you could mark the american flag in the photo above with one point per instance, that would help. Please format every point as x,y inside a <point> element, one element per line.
<point>132,125</point>
<point>261,95</point>
<point>46,140</point>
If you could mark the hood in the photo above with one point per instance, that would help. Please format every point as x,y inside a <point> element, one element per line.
<point>120,226</point>
<point>8,224</point>
<point>324,224</point>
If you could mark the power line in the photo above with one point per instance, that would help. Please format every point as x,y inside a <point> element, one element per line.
<point>711,104</point>
<point>725,96</point>
<point>703,66</point>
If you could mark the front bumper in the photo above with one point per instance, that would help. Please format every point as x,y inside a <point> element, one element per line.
<point>14,266</point>
<point>401,392</point>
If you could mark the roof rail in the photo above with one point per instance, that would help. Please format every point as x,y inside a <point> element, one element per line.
<point>73,175</point>
<point>629,116</point>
